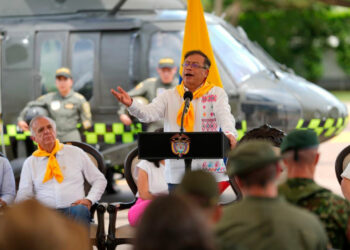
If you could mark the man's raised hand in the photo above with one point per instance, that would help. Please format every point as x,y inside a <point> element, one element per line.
<point>122,96</point>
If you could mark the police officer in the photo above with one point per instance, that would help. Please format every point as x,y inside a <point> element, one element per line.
<point>66,107</point>
<point>300,155</point>
<point>152,87</point>
<point>262,220</point>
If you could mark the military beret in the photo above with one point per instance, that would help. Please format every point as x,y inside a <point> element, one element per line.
<point>166,63</point>
<point>251,155</point>
<point>200,184</point>
<point>299,139</point>
<point>64,72</point>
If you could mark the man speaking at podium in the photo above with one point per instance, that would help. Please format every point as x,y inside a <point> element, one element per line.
<point>209,111</point>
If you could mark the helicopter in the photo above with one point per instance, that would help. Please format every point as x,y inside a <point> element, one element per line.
<point>119,42</point>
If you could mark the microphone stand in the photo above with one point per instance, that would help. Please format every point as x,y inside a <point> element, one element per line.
<point>184,111</point>
<point>188,162</point>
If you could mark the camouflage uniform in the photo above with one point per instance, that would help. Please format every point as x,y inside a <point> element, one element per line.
<point>149,89</point>
<point>67,112</point>
<point>331,209</point>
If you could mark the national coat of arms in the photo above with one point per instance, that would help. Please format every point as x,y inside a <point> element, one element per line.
<point>180,144</point>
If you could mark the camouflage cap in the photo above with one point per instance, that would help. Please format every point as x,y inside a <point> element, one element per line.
<point>64,72</point>
<point>251,155</point>
<point>166,63</point>
<point>201,185</point>
<point>299,139</point>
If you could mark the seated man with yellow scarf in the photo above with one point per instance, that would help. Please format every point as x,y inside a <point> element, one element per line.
<point>208,111</point>
<point>54,174</point>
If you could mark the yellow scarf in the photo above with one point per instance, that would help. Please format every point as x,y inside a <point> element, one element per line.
<point>189,116</point>
<point>52,167</point>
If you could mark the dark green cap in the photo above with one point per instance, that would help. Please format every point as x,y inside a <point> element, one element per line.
<point>201,185</point>
<point>299,139</point>
<point>251,155</point>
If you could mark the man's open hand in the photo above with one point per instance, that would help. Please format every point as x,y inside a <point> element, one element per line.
<point>122,96</point>
<point>23,125</point>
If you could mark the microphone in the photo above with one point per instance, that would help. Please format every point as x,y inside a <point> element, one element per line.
<point>188,96</point>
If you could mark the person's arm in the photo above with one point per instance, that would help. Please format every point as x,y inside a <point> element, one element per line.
<point>142,185</point>
<point>8,185</point>
<point>85,113</point>
<point>40,102</point>
<point>94,177</point>
<point>225,118</point>
<point>145,113</point>
<point>26,185</point>
<point>139,90</point>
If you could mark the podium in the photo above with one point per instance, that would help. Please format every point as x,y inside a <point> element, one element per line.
<point>187,146</point>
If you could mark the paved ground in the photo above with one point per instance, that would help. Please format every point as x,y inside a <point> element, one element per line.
<point>325,171</point>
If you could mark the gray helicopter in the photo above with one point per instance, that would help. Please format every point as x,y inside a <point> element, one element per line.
<point>119,42</point>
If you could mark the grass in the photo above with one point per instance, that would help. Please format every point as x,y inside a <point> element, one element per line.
<point>342,95</point>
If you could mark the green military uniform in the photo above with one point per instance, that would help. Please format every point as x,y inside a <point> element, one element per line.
<point>331,209</point>
<point>149,89</point>
<point>265,221</point>
<point>269,223</point>
<point>66,111</point>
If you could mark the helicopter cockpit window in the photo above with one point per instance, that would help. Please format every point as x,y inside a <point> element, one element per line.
<point>164,44</point>
<point>237,59</point>
<point>50,61</point>
<point>83,67</point>
<point>18,51</point>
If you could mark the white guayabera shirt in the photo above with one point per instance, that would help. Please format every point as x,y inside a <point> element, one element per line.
<point>212,113</point>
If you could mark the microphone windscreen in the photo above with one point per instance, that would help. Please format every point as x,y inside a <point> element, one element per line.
<point>188,94</point>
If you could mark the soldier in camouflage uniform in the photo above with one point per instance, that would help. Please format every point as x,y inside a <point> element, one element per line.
<point>262,220</point>
<point>152,87</point>
<point>300,153</point>
<point>66,107</point>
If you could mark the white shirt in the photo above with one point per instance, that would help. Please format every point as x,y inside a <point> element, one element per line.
<point>7,181</point>
<point>156,178</point>
<point>212,113</point>
<point>75,165</point>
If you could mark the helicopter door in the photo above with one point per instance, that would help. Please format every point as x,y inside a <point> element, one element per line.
<point>50,54</point>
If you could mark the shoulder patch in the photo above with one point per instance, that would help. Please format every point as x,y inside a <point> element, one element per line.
<point>151,79</point>
<point>79,96</point>
<point>140,85</point>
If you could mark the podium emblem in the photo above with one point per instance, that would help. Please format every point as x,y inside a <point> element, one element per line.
<point>180,144</point>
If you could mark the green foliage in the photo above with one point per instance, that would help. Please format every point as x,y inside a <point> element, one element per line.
<point>294,37</point>
<point>295,32</point>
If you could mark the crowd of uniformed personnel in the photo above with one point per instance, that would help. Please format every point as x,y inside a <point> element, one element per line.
<point>274,213</point>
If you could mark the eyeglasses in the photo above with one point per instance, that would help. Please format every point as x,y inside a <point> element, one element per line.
<point>193,65</point>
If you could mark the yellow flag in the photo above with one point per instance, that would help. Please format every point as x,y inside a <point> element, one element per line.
<point>197,38</point>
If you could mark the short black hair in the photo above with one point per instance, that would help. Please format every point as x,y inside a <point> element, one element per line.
<point>207,62</point>
<point>267,133</point>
